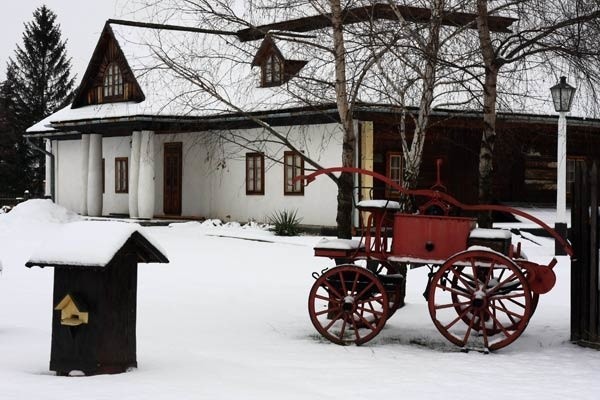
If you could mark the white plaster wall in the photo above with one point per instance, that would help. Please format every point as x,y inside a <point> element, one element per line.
<point>67,155</point>
<point>214,178</point>
<point>214,183</point>
<point>113,147</point>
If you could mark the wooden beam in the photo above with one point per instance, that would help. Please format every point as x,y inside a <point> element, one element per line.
<point>169,27</point>
<point>375,12</point>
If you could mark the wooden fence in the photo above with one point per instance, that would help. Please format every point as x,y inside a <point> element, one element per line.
<point>585,299</point>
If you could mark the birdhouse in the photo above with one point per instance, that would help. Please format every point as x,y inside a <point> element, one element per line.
<point>72,312</point>
<point>95,294</point>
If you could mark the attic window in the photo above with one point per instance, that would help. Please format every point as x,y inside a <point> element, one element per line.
<point>272,71</point>
<point>113,81</point>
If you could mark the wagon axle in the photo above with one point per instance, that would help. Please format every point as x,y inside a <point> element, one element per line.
<point>348,305</point>
<point>479,301</point>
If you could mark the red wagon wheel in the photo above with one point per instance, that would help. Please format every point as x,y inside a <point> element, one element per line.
<point>460,307</point>
<point>480,299</point>
<point>348,304</point>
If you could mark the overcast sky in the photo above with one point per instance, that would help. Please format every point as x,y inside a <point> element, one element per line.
<point>81,22</point>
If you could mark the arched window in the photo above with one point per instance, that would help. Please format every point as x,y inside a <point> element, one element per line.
<point>113,81</point>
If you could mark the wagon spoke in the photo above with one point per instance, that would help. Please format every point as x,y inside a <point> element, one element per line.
<point>343,329</point>
<point>330,299</point>
<point>355,327</point>
<point>506,311</point>
<point>488,276</point>
<point>515,302</point>
<point>451,324</point>
<point>329,287</point>
<point>510,315</point>
<point>378,299</point>
<point>467,285</point>
<point>365,321</point>
<point>510,297</point>
<point>454,321</point>
<point>486,341</point>
<point>468,332</point>
<point>452,290</point>
<point>362,293</point>
<point>471,261</point>
<point>502,271</point>
<point>499,325</point>
<point>333,321</point>
<point>463,303</point>
<point>355,282</point>
<point>327,311</point>
<point>372,311</point>
<point>344,290</point>
<point>502,283</point>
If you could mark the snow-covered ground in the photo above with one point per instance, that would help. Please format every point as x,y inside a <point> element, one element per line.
<point>227,319</point>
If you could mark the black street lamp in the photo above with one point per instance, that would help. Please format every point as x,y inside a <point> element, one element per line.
<point>562,97</point>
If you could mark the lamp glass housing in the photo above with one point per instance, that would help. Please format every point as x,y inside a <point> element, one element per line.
<point>562,95</point>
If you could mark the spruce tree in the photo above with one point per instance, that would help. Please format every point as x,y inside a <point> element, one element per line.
<point>9,171</point>
<point>38,82</point>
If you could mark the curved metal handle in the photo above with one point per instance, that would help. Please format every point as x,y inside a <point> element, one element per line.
<point>436,194</point>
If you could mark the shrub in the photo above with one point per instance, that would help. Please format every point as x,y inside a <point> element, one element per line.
<point>285,223</point>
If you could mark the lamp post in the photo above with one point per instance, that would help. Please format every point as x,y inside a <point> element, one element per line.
<point>562,97</point>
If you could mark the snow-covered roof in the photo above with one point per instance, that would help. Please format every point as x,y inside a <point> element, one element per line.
<point>193,74</point>
<point>220,66</point>
<point>86,243</point>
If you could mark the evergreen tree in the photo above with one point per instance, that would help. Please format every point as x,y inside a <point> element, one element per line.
<point>9,174</point>
<point>38,81</point>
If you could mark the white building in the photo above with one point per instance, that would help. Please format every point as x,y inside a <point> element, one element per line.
<point>140,140</point>
<point>171,123</point>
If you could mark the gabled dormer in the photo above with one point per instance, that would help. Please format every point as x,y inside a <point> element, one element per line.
<point>108,77</point>
<point>274,68</point>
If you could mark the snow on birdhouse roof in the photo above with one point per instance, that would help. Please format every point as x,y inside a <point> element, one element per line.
<point>90,244</point>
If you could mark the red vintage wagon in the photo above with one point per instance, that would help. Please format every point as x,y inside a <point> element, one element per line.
<point>481,292</point>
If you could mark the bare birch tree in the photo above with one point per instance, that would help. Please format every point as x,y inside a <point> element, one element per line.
<point>549,35</point>
<point>355,70</point>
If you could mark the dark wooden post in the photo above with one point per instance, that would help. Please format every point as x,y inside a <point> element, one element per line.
<point>585,319</point>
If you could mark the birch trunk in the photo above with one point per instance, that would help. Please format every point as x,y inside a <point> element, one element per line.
<point>413,154</point>
<point>345,181</point>
<point>488,137</point>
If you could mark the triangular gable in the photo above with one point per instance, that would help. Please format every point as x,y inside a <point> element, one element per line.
<point>267,47</point>
<point>107,51</point>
